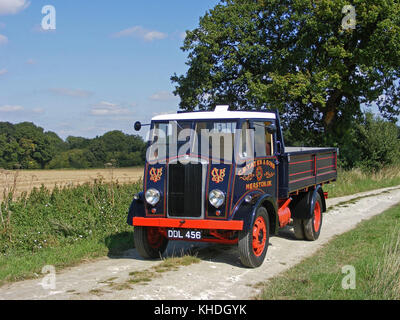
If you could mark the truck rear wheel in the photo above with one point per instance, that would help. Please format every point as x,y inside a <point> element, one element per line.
<point>309,228</point>
<point>253,243</point>
<point>149,242</point>
<point>298,229</point>
<point>312,226</point>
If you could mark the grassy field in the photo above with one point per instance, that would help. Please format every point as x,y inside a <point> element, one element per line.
<point>26,180</point>
<point>372,251</point>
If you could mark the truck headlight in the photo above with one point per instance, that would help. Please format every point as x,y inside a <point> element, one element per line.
<point>152,196</point>
<point>217,198</point>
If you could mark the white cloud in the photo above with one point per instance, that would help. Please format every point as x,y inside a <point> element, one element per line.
<point>105,108</point>
<point>162,96</point>
<point>164,113</point>
<point>142,33</point>
<point>38,110</point>
<point>78,93</point>
<point>8,108</point>
<point>3,71</point>
<point>3,39</point>
<point>13,6</point>
<point>154,35</point>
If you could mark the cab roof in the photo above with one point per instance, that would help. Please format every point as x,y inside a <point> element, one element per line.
<point>220,112</point>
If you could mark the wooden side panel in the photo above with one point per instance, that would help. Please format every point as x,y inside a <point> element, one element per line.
<point>306,169</point>
<point>326,167</point>
<point>301,171</point>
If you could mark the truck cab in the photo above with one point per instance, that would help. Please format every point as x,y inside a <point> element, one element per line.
<point>226,177</point>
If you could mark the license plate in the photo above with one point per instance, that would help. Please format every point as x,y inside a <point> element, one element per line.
<point>184,234</point>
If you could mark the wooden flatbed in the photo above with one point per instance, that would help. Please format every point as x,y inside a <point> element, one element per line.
<point>302,168</point>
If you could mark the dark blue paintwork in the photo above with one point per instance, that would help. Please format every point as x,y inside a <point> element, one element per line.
<point>266,180</point>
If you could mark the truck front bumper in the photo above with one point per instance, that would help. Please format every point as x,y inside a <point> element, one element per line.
<point>188,224</point>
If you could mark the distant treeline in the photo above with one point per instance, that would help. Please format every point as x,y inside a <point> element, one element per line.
<point>371,144</point>
<point>27,146</point>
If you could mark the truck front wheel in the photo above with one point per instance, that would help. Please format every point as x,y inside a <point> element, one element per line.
<point>149,242</point>
<point>253,243</point>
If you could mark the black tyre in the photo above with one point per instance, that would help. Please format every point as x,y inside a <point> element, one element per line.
<point>149,242</point>
<point>312,226</point>
<point>298,229</point>
<point>253,244</point>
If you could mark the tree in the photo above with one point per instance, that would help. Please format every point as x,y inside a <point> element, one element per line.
<point>114,141</point>
<point>98,149</point>
<point>376,143</point>
<point>77,142</point>
<point>296,56</point>
<point>26,146</point>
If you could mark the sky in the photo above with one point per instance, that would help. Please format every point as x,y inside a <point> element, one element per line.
<point>106,65</point>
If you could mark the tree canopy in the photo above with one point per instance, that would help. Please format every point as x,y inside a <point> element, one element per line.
<point>297,56</point>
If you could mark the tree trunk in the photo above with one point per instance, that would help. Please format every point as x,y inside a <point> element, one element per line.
<point>331,110</point>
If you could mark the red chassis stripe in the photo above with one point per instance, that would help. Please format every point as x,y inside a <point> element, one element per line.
<point>326,158</point>
<point>296,174</point>
<point>188,224</point>
<point>290,163</point>
<point>306,178</point>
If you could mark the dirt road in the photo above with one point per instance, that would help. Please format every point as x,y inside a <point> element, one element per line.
<point>219,275</point>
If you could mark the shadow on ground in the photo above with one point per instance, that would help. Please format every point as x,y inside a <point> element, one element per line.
<point>121,246</point>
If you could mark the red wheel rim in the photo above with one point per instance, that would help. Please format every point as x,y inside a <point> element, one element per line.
<point>154,237</point>
<point>259,236</point>
<point>317,216</point>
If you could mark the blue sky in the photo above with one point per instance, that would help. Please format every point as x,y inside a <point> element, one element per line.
<point>107,64</point>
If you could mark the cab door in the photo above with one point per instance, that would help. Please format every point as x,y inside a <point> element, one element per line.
<point>265,166</point>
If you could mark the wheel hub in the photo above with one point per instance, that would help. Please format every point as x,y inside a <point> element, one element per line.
<point>259,236</point>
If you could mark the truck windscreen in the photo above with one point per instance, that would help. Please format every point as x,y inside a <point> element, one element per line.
<point>199,138</point>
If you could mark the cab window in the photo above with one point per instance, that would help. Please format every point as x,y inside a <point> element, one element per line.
<point>246,149</point>
<point>263,141</point>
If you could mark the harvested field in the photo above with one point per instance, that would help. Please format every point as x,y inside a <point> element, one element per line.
<point>26,180</point>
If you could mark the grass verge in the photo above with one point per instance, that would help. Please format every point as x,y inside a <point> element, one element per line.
<point>372,249</point>
<point>63,227</point>
<point>355,181</point>
<point>168,264</point>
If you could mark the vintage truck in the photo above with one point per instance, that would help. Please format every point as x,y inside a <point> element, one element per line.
<point>238,196</point>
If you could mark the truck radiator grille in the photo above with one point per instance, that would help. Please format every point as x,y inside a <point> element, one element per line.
<point>185,190</point>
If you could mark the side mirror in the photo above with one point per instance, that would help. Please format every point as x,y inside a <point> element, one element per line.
<point>251,125</point>
<point>138,126</point>
<point>271,129</point>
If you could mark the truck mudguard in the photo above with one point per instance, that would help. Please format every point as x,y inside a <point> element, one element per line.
<point>136,209</point>
<point>265,200</point>
<point>302,208</point>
